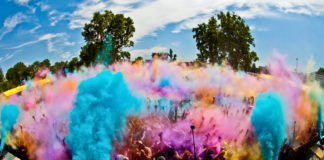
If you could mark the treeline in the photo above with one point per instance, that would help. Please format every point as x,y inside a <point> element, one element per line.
<point>320,71</point>
<point>224,39</point>
<point>20,72</point>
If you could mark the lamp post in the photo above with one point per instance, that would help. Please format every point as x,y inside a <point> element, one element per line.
<point>193,138</point>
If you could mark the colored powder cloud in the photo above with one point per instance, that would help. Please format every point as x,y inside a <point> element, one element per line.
<point>269,123</point>
<point>101,110</point>
<point>316,96</point>
<point>104,55</point>
<point>9,116</point>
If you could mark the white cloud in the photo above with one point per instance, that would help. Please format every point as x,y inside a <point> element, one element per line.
<point>21,2</point>
<point>175,44</point>
<point>50,46</point>
<point>8,56</point>
<point>11,22</point>
<point>254,28</point>
<point>190,23</point>
<point>125,2</point>
<point>56,16</point>
<point>47,37</point>
<point>25,3</point>
<point>43,6</point>
<point>34,29</point>
<point>146,53</point>
<point>85,10</point>
<point>150,16</point>
<point>69,43</point>
<point>66,55</point>
<point>52,12</point>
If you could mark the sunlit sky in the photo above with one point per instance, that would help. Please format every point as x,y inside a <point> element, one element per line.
<point>33,30</point>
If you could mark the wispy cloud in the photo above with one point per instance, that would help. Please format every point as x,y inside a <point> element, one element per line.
<point>257,28</point>
<point>47,37</point>
<point>85,10</point>
<point>8,56</point>
<point>69,43</point>
<point>146,53</point>
<point>35,28</point>
<point>11,22</point>
<point>56,16</point>
<point>65,55</point>
<point>150,16</point>
<point>190,23</point>
<point>175,44</point>
<point>21,2</point>
<point>25,3</point>
<point>43,6</point>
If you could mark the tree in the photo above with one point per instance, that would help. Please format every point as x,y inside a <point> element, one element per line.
<point>172,56</point>
<point>123,55</point>
<point>59,66</point>
<point>6,85</point>
<point>73,64</point>
<point>1,76</point>
<point>208,42</point>
<point>121,28</point>
<point>33,68</point>
<point>45,63</point>
<point>229,39</point>
<point>88,53</point>
<point>17,74</point>
<point>320,71</point>
<point>139,58</point>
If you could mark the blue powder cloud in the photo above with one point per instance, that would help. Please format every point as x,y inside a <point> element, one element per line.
<point>269,123</point>
<point>316,97</point>
<point>101,110</point>
<point>9,116</point>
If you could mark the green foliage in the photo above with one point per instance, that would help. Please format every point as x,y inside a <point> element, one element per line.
<point>1,76</point>
<point>320,71</point>
<point>20,71</point>
<point>74,64</point>
<point>123,55</point>
<point>33,68</point>
<point>89,52</point>
<point>17,73</point>
<point>229,39</point>
<point>172,56</point>
<point>121,28</point>
<point>59,66</point>
<point>6,85</point>
<point>139,58</point>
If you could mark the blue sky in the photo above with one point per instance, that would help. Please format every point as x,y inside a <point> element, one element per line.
<point>33,30</point>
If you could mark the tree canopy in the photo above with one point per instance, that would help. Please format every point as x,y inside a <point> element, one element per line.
<point>17,73</point>
<point>229,39</point>
<point>320,71</point>
<point>1,76</point>
<point>96,32</point>
<point>172,56</point>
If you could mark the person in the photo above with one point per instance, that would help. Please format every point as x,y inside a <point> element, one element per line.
<point>161,146</point>
<point>186,155</point>
<point>206,154</point>
<point>220,155</point>
<point>121,157</point>
<point>160,158</point>
<point>143,151</point>
<point>172,154</point>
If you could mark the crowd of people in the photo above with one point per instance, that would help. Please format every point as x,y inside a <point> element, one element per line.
<point>164,150</point>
